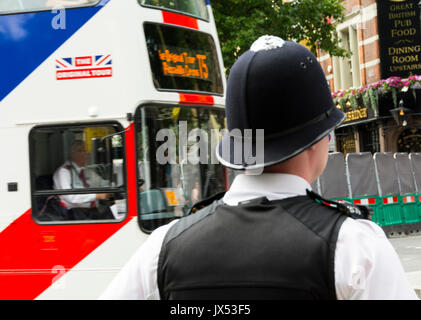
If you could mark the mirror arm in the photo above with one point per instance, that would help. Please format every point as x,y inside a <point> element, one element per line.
<point>114,134</point>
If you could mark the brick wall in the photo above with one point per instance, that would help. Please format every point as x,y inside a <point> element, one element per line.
<point>363,14</point>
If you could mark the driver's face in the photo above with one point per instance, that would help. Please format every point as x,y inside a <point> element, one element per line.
<point>80,156</point>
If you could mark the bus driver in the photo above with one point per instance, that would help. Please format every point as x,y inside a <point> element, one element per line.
<point>73,174</point>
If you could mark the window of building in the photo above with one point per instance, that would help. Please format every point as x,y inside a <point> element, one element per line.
<point>345,139</point>
<point>177,165</point>
<point>346,71</point>
<point>195,8</point>
<point>15,6</point>
<point>77,173</point>
<point>410,140</point>
<point>369,138</point>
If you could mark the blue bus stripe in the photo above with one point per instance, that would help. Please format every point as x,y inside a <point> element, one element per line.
<point>27,40</point>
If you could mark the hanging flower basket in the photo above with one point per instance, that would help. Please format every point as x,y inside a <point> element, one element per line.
<point>385,93</point>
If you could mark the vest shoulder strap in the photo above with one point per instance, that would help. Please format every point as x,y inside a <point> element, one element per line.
<point>206,202</point>
<point>350,210</point>
<point>206,207</point>
<point>188,221</point>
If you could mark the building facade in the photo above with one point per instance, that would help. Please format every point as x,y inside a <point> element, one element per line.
<point>379,85</point>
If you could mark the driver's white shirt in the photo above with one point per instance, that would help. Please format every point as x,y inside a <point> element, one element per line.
<point>67,176</point>
<point>366,264</point>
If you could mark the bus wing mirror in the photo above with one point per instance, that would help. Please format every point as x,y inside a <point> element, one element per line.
<point>98,144</point>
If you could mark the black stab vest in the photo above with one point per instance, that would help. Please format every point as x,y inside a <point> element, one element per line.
<point>283,249</point>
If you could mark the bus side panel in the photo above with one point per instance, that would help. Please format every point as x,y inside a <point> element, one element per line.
<point>33,256</point>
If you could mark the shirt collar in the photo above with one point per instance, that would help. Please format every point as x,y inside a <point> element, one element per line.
<point>274,186</point>
<point>75,166</point>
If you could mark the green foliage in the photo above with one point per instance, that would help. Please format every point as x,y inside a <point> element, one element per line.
<point>241,22</point>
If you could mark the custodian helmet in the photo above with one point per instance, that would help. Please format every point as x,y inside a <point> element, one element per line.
<point>280,87</point>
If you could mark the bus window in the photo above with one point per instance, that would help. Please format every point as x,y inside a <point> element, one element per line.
<point>183,59</point>
<point>77,173</point>
<point>14,6</point>
<point>195,8</point>
<point>176,160</point>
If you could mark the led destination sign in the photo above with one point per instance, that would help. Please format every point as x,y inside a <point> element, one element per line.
<point>182,59</point>
<point>184,64</point>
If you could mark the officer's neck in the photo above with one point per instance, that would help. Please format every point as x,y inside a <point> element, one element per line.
<point>301,165</point>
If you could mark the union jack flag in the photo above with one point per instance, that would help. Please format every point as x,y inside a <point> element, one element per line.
<point>83,67</point>
<point>64,63</point>
<point>89,61</point>
<point>103,60</point>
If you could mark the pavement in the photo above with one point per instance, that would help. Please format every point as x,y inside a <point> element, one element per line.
<point>408,248</point>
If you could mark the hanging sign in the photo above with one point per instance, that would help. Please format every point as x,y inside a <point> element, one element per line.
<point>400,37</point>
<point>358,114</point>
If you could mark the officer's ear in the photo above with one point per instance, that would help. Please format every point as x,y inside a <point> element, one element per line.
<point>314,148</point>
<point>317,153</point>
<point>318,145</point>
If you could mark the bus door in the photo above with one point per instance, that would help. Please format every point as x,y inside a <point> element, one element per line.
<point>176,160</point>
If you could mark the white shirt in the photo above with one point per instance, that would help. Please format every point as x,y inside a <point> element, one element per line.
<point>68,177</point>
<point>366,264</point>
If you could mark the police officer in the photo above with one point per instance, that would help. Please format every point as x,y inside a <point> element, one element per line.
<point>269,236</point>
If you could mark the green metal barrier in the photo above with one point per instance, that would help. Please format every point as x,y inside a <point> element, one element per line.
<point>411,208</point>
<point>407,187</point>
<point>392,210</point>
<point>373,202</point>
<point>415,163</point>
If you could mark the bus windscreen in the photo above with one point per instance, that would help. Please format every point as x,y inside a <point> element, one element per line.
<point>15,6</point>
<point>195,8</point>
<point>182,59</point>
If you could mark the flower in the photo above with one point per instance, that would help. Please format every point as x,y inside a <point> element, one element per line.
<point>369,93</point>
<point>384,85</point>
<point>339,93</point>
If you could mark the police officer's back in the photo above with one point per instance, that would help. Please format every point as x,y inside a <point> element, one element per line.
<point>269,236</point>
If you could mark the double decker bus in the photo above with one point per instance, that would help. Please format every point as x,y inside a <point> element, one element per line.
<point>136,89</point>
